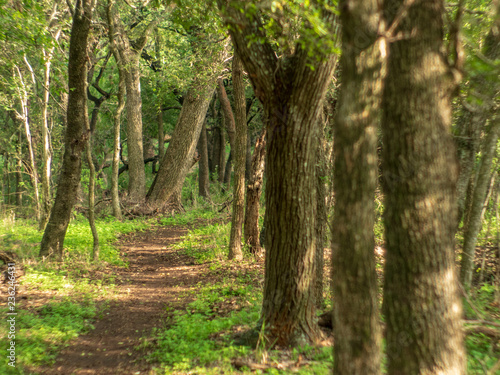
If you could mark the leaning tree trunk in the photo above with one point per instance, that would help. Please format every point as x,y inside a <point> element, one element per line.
<point>173,170</point>
<point>421,301</point>
<point>254,191</point>
<point>482,88</point>
<point>292,89</point>
<point>356,317</point>
<point>238,149</point>
<point>76,132</point>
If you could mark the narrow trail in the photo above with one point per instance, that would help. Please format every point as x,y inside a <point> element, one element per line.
<point>156,276</point>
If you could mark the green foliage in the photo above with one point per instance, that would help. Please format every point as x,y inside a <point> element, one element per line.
<point>42,332</point>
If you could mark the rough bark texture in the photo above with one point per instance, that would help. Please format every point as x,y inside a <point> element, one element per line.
<point>488,89</point>
<point>291,89</point>
<point>203,176</point>
<point>76,132</point>
<point>357,331</point>
<point>128,58</point>
<point>238,149</point>
<point>173,167</point>
<point>421,303</point>
<point>254,191</point>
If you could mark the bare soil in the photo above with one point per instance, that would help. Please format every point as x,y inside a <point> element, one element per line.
<point>155,282</point>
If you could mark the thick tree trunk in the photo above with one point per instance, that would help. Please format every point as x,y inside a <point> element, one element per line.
<point>356,317</point>
<point>292,90</point>
<point>321,221</point>
<point>203,176</point>
<point>254,191</point>
<point>76,132</point>
<point>238,149</point>
<point>173,167</point>
<point>421,302</point>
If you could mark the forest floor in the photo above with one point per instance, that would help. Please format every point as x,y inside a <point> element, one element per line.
<point>155,279</point>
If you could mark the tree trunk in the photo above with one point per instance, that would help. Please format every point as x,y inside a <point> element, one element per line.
<point>238,149</point>
<point>173,167</point>
<point>421,303</point>
<point>356,316</point>
<point>484,88</point>
<point>95,236</point>
<point>25,118</point>
<point>291,89</point>
<point>203,179</point>
<point>115,195</point>
<point>478,201</point>
<point>321,221</point>
<point>254,191</point>
<point>128,59</point>
<point>19,172</point>
<point>76,132</point>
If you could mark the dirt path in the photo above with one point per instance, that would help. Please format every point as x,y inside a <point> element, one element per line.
<point>157,275</point>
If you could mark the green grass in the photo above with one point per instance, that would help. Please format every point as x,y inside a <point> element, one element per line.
<point>72,285</point>
<point>41,334</point>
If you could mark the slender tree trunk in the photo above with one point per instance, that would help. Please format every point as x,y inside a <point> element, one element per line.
<point>19,172</point>
<point>173,167</point>
<point>6,178</point>
<point>95,236</point>
<point>76,132</point>
<point>203,179</point>
<point>484,88</point>
<point>478,201</point>
<point>128,58</point>
<point>321,221</point>
<point>357,330</point>
<point>221,162</point>
<point>24,117</point>
<point>254,191</point>
<point>238,148</point>
<point>421,301</point>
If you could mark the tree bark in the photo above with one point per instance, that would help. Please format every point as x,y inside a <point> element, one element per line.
<point>203,177</point>
<point>421,302</point>
<point>76,133</point>
<point>238,149</point>
<point>129,60</point>
<point>291,89</point>
<point>173,167</point>
<point>19,174</point>
<point>321,221</point>
<point>356,316</point>
<point>254,191</point>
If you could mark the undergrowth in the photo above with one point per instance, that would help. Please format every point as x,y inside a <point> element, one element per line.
<point>69,290</point>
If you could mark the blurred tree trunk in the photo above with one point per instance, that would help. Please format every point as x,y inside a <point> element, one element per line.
<point>238,149</point>
<point>19,172</point>
<point>484,88</point>
<point>254,191</point>
<point>356,316</point>
<point>91,198</point>
<point>76,132</point>
<point>421,302</point>
<point>203,177</point>
<point>24,116</point>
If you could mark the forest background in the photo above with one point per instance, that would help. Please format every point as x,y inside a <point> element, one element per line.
<point>358,138</point>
